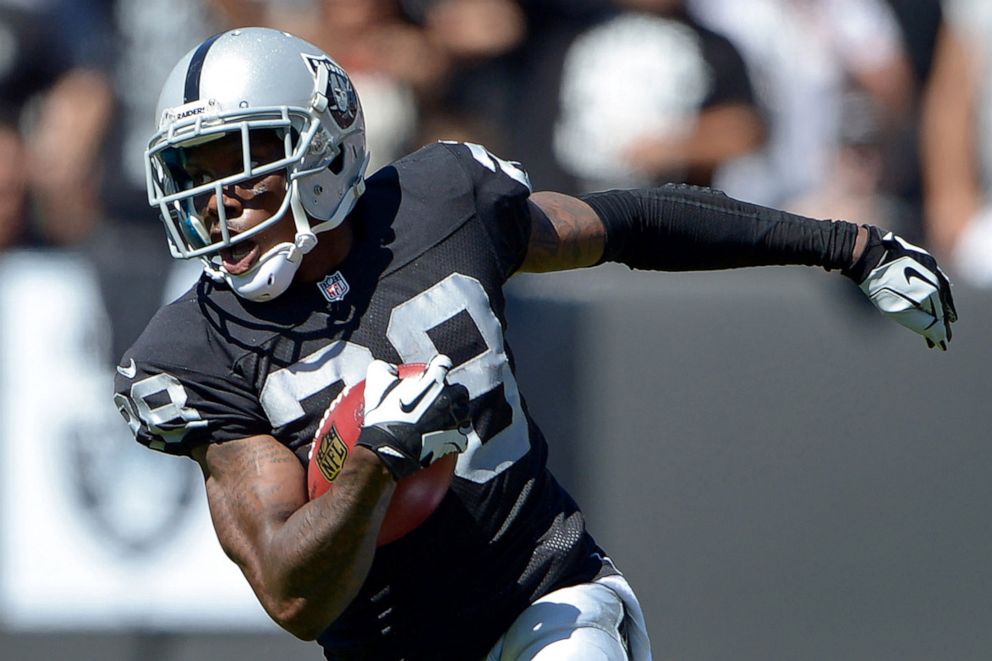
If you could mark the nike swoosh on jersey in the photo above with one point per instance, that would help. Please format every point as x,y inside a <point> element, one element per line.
<point>129,371</point>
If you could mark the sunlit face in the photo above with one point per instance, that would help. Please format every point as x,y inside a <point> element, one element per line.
<point>246,204</point>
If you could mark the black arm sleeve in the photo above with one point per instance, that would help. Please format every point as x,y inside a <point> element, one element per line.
<point>682,228</point>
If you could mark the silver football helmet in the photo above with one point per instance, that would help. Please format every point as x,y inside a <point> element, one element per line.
<point>257,79</point>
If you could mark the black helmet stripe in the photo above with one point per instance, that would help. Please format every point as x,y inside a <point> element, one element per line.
<point>192,90</point>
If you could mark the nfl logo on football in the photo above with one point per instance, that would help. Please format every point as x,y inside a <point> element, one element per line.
<point>334,287</point>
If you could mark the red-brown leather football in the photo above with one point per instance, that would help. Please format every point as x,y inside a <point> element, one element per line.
<point>415,497</point>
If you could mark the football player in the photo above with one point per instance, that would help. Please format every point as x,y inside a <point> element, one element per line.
<point>317,277</point>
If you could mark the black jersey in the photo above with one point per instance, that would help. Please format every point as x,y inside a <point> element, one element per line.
<point>437,235</point>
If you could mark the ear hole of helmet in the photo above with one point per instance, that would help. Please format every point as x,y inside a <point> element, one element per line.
<point>337,165</point>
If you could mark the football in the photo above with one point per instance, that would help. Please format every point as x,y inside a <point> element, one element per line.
<point>415,497</point>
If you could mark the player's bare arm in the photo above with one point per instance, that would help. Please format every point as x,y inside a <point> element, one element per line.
<point>304,560</point>
<point>565,234</point>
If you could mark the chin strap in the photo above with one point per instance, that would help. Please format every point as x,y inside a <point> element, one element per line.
<point>271,276</point>
<point>302,244</point>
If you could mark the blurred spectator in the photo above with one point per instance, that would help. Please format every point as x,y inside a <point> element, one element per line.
<point>243,13</point>
<point>919,21</point>
<point>957,142</point>
<point>93,182</point>
<point>38,82</point>
<point>853,186</point>
<point>127,47</point>
<point>649,95</point>
<point>65,167</point>
<point>393,64</point>
<point>475,29</point>
<point>477,39</point>
<point>13,188</point>
<point>805,56</point>
<point>526,116</point>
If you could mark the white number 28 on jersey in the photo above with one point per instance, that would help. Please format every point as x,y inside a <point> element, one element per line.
<point>345,363</point>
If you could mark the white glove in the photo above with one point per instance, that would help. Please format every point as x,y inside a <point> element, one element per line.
<point>412,422</point>
<point>905,283</point>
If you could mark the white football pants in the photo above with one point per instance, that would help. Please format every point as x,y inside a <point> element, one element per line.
<point>599,621</point>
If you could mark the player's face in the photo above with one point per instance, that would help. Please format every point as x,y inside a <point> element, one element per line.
<point>246,204</point>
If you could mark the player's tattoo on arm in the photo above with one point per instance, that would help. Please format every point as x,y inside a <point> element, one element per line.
<point>252,484</point>
<point>305,560</point>
<point>565,233</point>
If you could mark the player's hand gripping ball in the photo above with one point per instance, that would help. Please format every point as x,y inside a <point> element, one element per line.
<point>418,441</point>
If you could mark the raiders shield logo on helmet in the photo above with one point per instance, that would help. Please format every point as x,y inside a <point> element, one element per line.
<point>341,97</point>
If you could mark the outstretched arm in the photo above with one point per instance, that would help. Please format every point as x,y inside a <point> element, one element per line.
<point>680,228</point>
<point>568,233</point>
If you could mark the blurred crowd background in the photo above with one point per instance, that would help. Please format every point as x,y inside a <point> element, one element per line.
<point>873,110</point>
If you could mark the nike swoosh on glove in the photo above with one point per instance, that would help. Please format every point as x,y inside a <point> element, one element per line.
<point>905,283</point>
<point>412,422</point>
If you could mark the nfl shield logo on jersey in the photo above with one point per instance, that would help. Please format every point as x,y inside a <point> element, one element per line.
<point>334,287</point>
